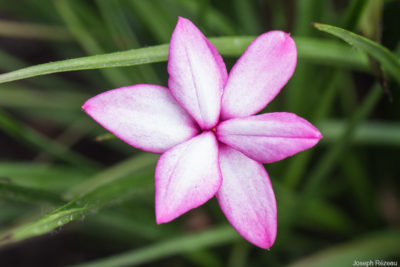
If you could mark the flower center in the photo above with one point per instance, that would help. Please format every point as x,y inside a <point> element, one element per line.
<point>214,130</point>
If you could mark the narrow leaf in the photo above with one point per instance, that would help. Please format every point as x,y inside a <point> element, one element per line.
<point>316,50</point>
<point>113,173</point>
<point>26,194</point>
<point>388,60</point>
<point>104,196</point>
<point>378,246</point>
<point>187,243</point>
<point>31,137</point>
<point>54,178</point>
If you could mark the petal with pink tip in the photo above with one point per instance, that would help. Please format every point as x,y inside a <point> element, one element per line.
<point>187,176</point>
<point>269,137</point>
<point>144,116</point>
<point>246,197</point>
<point>197,73</point>
<point>259,74</point>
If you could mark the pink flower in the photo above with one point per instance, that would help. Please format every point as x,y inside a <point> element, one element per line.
<point>204,125</point>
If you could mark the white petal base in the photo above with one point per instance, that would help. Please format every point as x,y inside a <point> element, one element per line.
<point>187,176</point>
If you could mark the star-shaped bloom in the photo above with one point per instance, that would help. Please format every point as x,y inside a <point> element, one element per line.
<point>204,125</point>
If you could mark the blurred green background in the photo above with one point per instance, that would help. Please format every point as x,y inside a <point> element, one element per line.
<point>71,195</point>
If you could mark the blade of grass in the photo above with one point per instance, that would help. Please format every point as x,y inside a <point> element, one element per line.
<point>31,137</point>
<point>113,173</point>
<point>316,214</point>
<point>297,167</point>
<point>247,17</point>
<point>26,30</point>
<point>42,176</point>
<point>316,50</point>
<point>367,133</point>
<point>327,162</point>
<point>154,18</point>
<point>106,195</point>
<point>353,14</point>
<point>377,246</point>
<point>308,211</point>
<point>25,194</point>
<point>359,180</point>
<point>9,62</point>
<point>239,254</point>
<point>307,11</point>
<point>51,100</point>
<point>124,37</point>
<point>133,222</point>
<point>84,37</point>
<point>69,137</point>
<point>212,19</point>
<point>11,211</point>
<point>388,60</point>
<point>204,258</point>
<point>188,243</point>
<point>117,59</point>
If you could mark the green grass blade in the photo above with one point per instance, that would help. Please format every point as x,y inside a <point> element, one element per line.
<point>33,31</point>
<point>367,133</point>
<point>104,196</point>
<point>155,19</point>
<point>213,19</point>
<point>247,16</point>
<point>124,37</point>
<point>113,173</point>
<point>26,194</point>
<point>187,243</point>
<point>118,59</point>
<point>27,98</point>
<point>239,255</point>
<point>378,246</point>
<point>306,12</point>
<point>359,179</point>
<point>42,176</point>
<point>316,50</point>
<point>330,53</point>
<point>316,214</point>
<point>354,12</point>
<point>115,76</point>
<point>388,60</point>
<point>9,62</point>
<point>297,167</point>
<point>327,162</point>
<point>31,137</point>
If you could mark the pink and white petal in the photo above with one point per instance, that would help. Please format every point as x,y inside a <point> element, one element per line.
<point>259,74</point>
<point>187,176</point>
<point>197,74</point>
<point>246,197</point>
<point>269,137</point>
<point>144,116</point>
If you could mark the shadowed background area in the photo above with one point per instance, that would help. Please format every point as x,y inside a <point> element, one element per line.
<point>73,195</point>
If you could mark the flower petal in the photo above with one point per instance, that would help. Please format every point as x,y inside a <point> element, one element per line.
<point>269,137</point>
<point>197,74</point>
<point>144,116</point>
<point>246,197</point>
<point>187,176</point>
<point>259,74</point>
